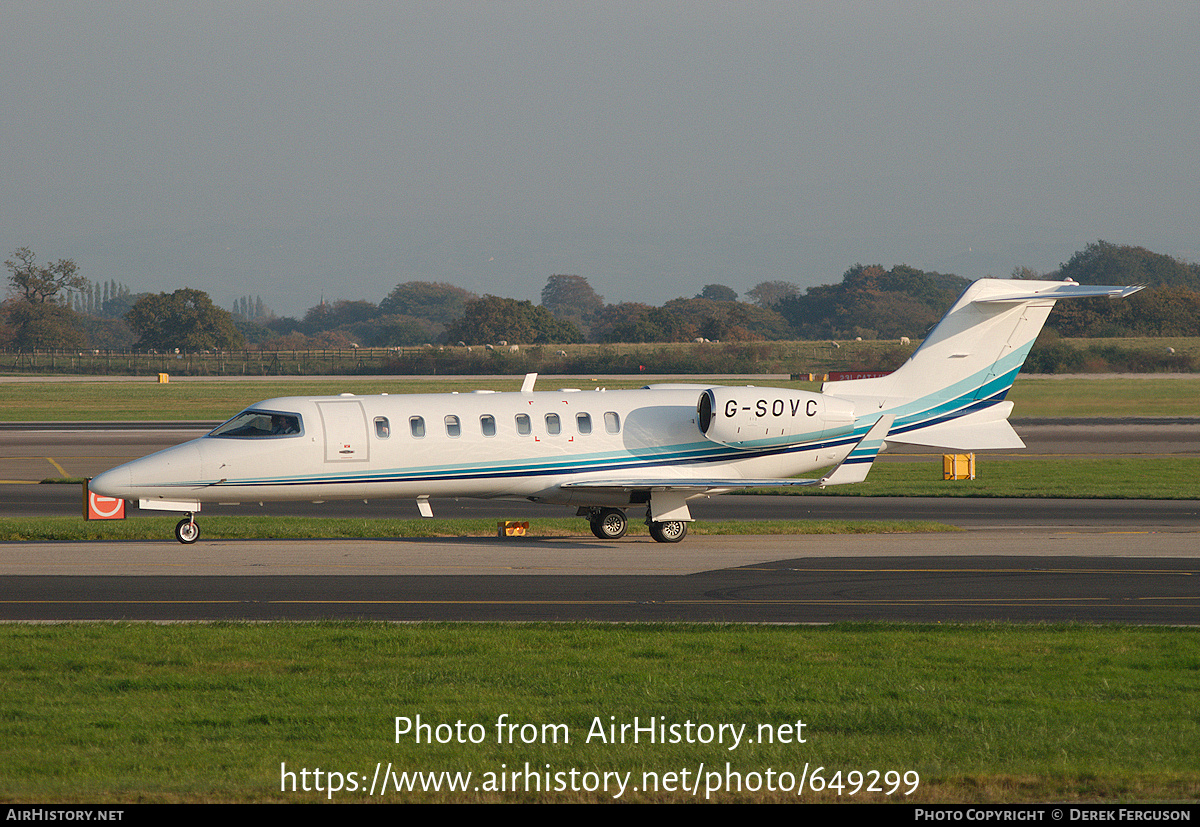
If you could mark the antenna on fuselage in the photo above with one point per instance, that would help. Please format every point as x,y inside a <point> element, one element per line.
<point>527,385</point>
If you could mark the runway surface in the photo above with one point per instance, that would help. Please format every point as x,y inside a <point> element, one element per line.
<point>1023,560</point>
<point>1001,575</point>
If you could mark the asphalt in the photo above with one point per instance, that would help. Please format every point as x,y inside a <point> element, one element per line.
<point>1028,560</point>
<point>999,575</point>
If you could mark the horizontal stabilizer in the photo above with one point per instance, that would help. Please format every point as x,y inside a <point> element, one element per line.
<point>980,431</point>
<point>1065,290</point>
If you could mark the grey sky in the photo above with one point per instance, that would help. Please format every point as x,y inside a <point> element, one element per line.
<point>290,149</point>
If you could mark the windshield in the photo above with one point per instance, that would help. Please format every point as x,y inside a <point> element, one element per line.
<point>254,424</point>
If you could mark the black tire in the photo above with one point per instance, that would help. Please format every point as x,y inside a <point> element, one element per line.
<point>610,524</point>
<point>186,531</point>
<point>671,531</point>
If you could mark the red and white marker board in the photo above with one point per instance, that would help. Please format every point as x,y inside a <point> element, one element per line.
<point>98,507</point>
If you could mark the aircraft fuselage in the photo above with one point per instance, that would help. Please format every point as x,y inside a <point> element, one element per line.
<point>488,445</point>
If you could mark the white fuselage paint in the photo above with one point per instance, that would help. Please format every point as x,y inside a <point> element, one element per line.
<point>342,454</point>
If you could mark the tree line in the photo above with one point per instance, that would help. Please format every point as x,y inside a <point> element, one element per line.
<point>54,306</point>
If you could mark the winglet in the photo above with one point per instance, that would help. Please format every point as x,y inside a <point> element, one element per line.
<point>527,385</point>
<point>857,464</point>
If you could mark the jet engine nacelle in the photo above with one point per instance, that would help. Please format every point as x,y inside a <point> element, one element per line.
<point>762,417</point>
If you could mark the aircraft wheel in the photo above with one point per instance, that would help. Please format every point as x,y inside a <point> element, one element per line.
<point>671,531</point>
<point>186,531</point>
<point>609,524</point>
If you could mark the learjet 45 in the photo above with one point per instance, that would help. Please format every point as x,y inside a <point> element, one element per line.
<point>606,451</point>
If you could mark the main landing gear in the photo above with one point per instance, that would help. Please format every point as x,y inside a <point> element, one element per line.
<point>608,523</point>
<point>611,524</point>
<point>186,530</point>
<point>671,531</point>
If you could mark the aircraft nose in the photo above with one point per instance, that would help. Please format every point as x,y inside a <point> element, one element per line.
<point>144,477</point>
<point>116,482</point>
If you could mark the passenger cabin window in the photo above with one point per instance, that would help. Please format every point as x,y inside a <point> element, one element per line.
<point>583,422</point>
<point>524,426</point>
<point>553,425</point>
<point>382,429</point>
<point>256,424</point>
<point>612,423</point>
<point>453,428</point>
<point>416,424</point>
<point>487,423</point>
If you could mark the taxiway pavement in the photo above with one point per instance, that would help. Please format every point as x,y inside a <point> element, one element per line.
<point>999,575</point>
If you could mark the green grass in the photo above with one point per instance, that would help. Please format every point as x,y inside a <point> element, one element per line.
<point>147,400</point>
<point>1134,478</point>
<point>218,400</point>
<point>1105,397</point>
<point>208,712</point>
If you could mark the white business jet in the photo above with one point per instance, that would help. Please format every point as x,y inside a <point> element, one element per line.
<point>605,451</point>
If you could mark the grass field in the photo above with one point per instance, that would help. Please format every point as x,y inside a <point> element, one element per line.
<point>1046,397</point>
<point>218,400</point>
<point>1134,478</point>
<point>123,713</point>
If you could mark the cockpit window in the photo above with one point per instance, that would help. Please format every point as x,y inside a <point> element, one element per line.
<point>257,424</point>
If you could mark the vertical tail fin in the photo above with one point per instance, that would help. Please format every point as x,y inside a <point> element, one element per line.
<point>966,365</point>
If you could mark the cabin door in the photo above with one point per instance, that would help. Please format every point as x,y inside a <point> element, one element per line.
<point>345,431</point>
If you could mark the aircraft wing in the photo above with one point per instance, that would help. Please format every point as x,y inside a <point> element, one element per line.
<point>853,468</point>
<point>697,485</point>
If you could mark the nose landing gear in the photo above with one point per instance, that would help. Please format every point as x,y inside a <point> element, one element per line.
<point>186,530</point>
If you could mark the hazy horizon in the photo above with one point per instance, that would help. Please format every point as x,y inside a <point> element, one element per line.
<point>294,150</point>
